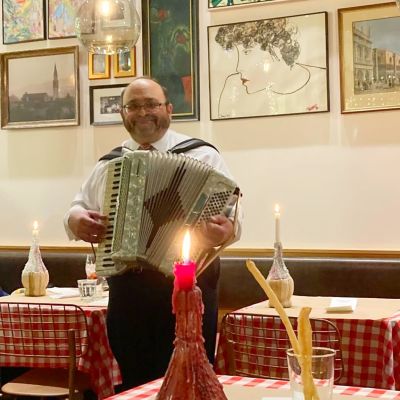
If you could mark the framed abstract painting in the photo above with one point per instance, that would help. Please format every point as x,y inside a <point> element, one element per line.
<point>47,96</point>
<point>170,52</point>
<point>269,67</point>
<point>369,57</point>
<point>61,18</point>
<point>23,21</point>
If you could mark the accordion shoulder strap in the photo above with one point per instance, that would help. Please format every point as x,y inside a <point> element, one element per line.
<point>182,147</point>
<point>114,153</point>
<point>190,144</point>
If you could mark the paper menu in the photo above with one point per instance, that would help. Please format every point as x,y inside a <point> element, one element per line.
<point>342,304</point>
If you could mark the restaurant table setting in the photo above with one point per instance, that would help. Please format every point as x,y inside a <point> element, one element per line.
<point>98,361</point>
<point>370,338</point>
<point>245,388</point>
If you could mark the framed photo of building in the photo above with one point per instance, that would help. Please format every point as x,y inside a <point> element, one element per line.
<point>105,104</point>
<point>124,64</point>
<point>170,52</point>
<point>61,18</point>
<point>23,21</point>
<point>99,66</point>
<point>369,57</point>
<point>269,67</point>
<point>46,96</point>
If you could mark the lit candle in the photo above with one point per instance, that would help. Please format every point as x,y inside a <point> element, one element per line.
<point>35,232</point>
<point>277,223</point>
<point>185,271</point>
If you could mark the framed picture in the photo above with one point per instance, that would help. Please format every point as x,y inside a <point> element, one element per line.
<point>61,18</point>
<point>217,4</point>
<point>46,95</point>
<point>105,104</point>
<point>99,66</point>
<point>170,52</point>
<point>23,21</point>
<point>369,57</point>
<point>124,64</point>
<point>269,67</point>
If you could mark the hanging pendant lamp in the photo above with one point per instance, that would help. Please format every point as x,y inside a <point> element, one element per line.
<point>108,26</point>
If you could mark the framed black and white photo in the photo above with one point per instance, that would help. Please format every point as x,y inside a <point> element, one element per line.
<point>48,95</point>
<point>269,67</point>
<point>105,104</point>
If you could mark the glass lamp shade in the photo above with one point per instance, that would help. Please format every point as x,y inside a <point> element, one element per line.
<point>107,26</point>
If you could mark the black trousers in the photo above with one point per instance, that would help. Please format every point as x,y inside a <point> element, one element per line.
<point>141,326</point>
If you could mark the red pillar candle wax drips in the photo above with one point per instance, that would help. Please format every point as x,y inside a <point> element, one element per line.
<point>185,271</point>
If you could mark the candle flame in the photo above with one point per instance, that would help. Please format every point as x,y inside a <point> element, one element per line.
<point>35,225</point>
<point>186,247</point>
<point>277,208</point>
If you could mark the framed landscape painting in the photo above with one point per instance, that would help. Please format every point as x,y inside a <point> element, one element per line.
<point>105,104</point>
<point>369,57</point>
<point>46,96</point>
<point>262,68</point>
<point>170,52</point>
<point>23,21</point>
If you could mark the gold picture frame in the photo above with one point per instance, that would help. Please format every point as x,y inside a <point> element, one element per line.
<point>124,64</point>
<point>47,96</point>
<point>369,58</point>
<point>99,66</point>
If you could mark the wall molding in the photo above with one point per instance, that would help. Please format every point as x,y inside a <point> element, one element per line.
<point>242,252</point>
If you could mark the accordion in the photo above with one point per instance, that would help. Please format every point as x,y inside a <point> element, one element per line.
<point>150,199</point>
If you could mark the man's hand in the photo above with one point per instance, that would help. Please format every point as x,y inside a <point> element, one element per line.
<point>216,231</point>
<point>87,225</point>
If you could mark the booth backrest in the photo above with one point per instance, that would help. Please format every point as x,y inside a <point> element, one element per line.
<point>319,276</point>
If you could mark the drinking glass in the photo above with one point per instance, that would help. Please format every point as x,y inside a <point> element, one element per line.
<point>322,368</point>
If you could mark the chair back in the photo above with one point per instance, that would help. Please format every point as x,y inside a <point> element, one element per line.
<point>51,335</point>
<point>257,344</point>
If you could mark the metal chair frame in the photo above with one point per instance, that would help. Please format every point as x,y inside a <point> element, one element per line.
<point>55,333</point>
<point>257,344</point>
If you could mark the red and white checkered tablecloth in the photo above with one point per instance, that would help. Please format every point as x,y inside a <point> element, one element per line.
<point>98,361</point>
<point>370,351</point>
<point>151,389</point>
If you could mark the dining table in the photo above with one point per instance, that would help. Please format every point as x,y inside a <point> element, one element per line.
<point>98,361</point>
<point>245,388</point>
<point>370,338</point>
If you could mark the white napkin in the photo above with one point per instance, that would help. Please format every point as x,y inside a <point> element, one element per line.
<point>103,302</point>
<point>342,304</point>
<point>62,292</point>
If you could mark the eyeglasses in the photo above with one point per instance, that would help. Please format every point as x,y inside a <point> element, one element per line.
<point>150,106</point>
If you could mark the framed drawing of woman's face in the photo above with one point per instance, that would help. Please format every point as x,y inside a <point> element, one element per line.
<point>269,67</point>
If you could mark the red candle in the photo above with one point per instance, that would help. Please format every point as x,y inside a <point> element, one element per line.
<point>185,271</point>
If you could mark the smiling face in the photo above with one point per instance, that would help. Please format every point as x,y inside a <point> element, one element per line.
<point>143,124</point>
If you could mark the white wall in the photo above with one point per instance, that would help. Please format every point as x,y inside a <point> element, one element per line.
<point>335,176</point>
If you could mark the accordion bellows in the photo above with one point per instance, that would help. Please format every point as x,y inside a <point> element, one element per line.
<point>150,199</point>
